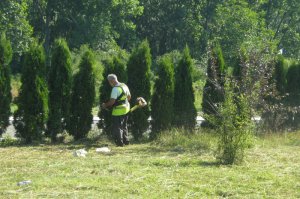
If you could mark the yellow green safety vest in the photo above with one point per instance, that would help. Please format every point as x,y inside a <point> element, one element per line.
<point>121,106</point>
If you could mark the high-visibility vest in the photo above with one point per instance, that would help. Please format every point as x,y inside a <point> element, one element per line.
<point>121,106</point>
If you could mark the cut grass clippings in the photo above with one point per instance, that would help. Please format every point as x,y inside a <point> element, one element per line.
<point>153,170</point>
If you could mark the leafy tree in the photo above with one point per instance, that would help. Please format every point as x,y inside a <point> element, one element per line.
<point>96,23</point>
<point>83,96</point>
<point>5,94</point>
<point>138,70</point>
<point>283,17</point>
<point>14,22</point>
<point>236,23</point>
<point>184,109</point>
<point>213,93</point>
<point>162,104</point>
<point>60,80</point>
<point>113,65</point>
<point>170,24</point>
<point>32,113</point>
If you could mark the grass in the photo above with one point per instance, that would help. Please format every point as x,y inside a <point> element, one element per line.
<point>167,168</point>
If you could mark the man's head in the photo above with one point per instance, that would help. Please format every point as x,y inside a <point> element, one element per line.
<point>112,79</point>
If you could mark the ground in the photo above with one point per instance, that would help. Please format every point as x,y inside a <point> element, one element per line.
<point>271,170</point>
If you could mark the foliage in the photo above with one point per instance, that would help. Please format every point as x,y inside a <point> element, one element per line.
<point>14,22</point>
<point>170,25</point>
<point>236,23</point>
<point>184,108</point>
<point>138,70</point>
<point>275,114</point>
<point>234,125</point>
<point>293,90</point>
<point>32,113</point>
<point>60,85</point>
<point>94,22</point>
<point>5,87</point>
<point>162,103</point>
<point>213,92</point>
<point>82,98</point>
<point>113,65</point>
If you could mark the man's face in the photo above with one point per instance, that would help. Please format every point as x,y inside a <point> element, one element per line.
<point>110,83</point>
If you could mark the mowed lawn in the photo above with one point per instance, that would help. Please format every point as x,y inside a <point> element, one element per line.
<point>271,170</point>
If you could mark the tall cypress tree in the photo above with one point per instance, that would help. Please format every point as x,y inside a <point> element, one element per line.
<point>32,113</point>
<point>213,92</point>
<point>138,70</point>
<point>83,96</point>
<point>115,66</point>
<point>5,94</point>
<point>60,80</point>
<point>162,104</point>
<point>184,109</point>
<point>293,89</point>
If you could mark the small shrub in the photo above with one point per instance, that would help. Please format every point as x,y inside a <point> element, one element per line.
<point>234,126</point>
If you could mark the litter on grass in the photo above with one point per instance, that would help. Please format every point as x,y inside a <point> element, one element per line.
<point>80,153</point>
<point>103,150</point>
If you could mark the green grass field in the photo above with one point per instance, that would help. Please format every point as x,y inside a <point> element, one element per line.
<point>164,169</point>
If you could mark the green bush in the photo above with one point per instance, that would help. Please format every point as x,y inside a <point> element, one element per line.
<point>32,113</point>
<point>60,85</point>
<point>5,88</point>
<point>138,70</point>
<point>234,126</point>
<point>184,109</point>
<point>83,96</point>
<point>162,109</point>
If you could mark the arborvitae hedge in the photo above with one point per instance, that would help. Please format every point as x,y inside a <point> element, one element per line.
<point>60,85</point>
<point>138,70</point>
<point>281,69</point>
<point>293,99</point>
<point>184,109</point>
<point>162,104</point>
<point>115,66</point>
<point>213,92</point>
<point>32,113</point>
<point>5,94</point>
<point>83,96</point>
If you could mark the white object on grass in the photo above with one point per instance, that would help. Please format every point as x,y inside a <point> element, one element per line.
<point>80,153</point>
<point>103,150</point>
<point>25,182</point>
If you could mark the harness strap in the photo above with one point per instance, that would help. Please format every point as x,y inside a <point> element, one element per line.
<point>118,101</point>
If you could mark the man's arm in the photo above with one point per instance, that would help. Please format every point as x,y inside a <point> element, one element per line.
<point>109,103</point>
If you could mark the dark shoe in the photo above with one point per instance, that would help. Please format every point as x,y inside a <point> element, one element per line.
<point>126,142</point>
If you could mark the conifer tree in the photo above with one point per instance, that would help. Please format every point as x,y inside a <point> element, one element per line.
<point>83,96</point>
<point>162,104</point>
<point>5,94</point>
<point>60,80</point>
<point>138,70</point>
<point>115,66</point>
<point>213,92</point>
<point>184,109</point>
<point>32,113</point>
<point>293,89</point>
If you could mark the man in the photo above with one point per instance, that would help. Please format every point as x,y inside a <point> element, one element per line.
<point>119,101</point>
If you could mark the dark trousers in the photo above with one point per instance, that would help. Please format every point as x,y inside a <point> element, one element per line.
<point>120,130</point>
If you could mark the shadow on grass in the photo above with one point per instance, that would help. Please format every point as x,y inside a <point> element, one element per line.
<point>210,163</point>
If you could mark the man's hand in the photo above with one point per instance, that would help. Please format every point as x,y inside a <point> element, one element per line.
<point>108,104</point>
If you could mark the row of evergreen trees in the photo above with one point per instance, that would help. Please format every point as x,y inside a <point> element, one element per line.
<point>52,100</point>
<point>172,102</point>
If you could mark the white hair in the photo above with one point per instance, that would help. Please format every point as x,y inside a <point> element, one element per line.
<point>112,77</point>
